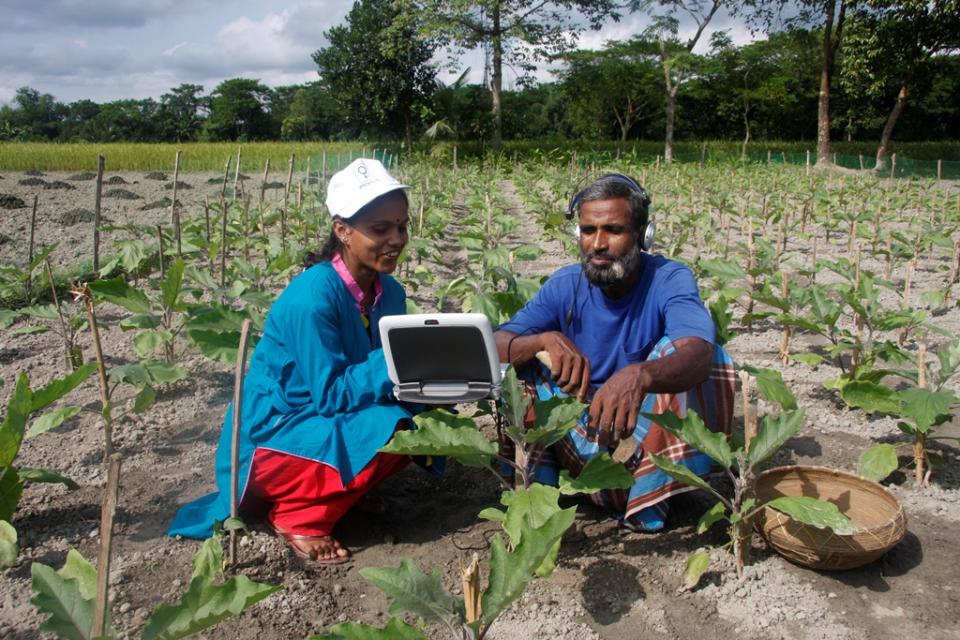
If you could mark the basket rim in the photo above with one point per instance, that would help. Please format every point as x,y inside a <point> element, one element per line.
<point>895,514</point>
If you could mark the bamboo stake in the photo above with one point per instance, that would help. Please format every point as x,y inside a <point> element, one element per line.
<point>226,176</point>
<point>955,271</point>
<point>246,228</point>
<point>743,532</point>
<point>163,272</point>
<point>888,262</point>
<point>108,510</point>
<point>263,183</point>
<point>174,211</point>
<point>813,260</point>
<point>223,243</point>
<point>785,340</point>
<point>96,215</point>
<point>238,374</point>
<point>206,216</point>
<point>30,250</point>
<point>82,292</point>
<point>921,475</point>
<point>236,176</point>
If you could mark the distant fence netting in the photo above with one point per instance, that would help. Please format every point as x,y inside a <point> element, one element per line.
<point>896,167</point>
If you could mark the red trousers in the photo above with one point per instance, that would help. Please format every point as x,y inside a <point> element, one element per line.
<point>308,497</point>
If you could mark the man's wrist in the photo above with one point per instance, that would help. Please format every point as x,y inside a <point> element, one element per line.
<point>641,375</point>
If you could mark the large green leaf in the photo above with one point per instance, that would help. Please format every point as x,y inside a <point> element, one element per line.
<point>219,346</point>
<point>163,373</point>
<point>60,598</point>
<point>58,388</point>
<point>77,568</point>
<point>119,292</point>
<point>814,512</point>
<point>146,343</point>
<point>877,462</point>
<point>394,630</point>
<point>440,433</point>
<point>696,565</point>
<point>694,432</point>
<point>554,418</point>
<point>11,488</point>
<point>511,571</point>
<point>771,386</point>
<point>8,544</point>
<point>204,605</point>
<point>46,476</point>
<point>411,590</point>
<point>713,515</point>
<point>170,287</point>
<point>51,420</point>
<point>600,472</point>
<point>514,398</point>
<point>773,432</point>
<point>681,473</point>
<point>870,396</point>
<point>208,561</point>
<point>144,399</point>
<point>924,407</point>
<point>526,508</point>
<point>949,357</point>
<point>14,423</point>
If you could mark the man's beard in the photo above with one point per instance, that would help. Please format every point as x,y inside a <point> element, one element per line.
<point>621,267</point>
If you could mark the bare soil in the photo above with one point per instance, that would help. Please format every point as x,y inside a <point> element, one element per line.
<point>607,585</point>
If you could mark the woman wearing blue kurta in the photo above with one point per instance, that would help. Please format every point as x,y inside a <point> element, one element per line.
<point>316,398</point>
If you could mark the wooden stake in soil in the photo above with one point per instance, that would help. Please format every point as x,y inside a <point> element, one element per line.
<point>108,510</point>
<point>238,374</point>
<point>263,183</point>
<point>955,272</point>
<point>33,227</point>
<point>223,243</point>
<point>82,292</point>
<point>174,211</point>
<point>236,176</point>
<point>206,217</point>
<point>785,339</point>
<point>813,260</point>
<point>743,532</point>
<point>921,475</point>
<point>163,272</point>
<point>96,216</point>
<point>226,176</point>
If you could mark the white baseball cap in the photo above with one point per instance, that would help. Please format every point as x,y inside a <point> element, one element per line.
<point>358,184</point>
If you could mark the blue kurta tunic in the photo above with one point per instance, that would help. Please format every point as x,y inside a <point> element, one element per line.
<point>317,387</point>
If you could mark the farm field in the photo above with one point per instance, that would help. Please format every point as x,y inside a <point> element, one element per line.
<point>871,269</point>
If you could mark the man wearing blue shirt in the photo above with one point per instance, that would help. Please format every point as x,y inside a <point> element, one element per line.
<point>627,332</point>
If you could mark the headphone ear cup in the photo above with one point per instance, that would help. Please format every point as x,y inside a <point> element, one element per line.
<point>649,235</point>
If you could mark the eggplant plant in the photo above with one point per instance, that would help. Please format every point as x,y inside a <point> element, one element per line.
<point>919,409</point>
<point>22,406</point>
<point>533,520</point>
<point>740,462</point>
<point>67,598</point>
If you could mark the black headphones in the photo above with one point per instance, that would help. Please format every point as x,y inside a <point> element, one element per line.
<point>648,231</point>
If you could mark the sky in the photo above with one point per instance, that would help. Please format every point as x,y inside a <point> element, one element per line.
<point>105,50</point>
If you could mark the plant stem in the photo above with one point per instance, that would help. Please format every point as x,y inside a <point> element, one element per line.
<point>65,332</point>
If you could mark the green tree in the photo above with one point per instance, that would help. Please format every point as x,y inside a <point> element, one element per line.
<point>618,84</point>
<point>889,45</point>
<point>238,111</point>
<point>182,112</point>
<point>677,60</point>
<point>34,115</point>
<point>517,32</point>
<point>123,120</point>
<point>312,113</point>
<point>378,67</point>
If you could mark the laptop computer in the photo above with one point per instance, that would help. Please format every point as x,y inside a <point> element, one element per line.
<point>441,358</point>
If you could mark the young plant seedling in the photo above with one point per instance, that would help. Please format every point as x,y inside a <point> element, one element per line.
<point>740,462</point>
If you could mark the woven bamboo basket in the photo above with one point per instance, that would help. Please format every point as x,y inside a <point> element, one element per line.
<point>878,515</point>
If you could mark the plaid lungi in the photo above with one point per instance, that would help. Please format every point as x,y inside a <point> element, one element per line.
<point>643,506</point>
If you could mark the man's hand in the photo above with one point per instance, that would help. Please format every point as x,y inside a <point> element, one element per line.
<point>616,404</point>
<point>569,368</point>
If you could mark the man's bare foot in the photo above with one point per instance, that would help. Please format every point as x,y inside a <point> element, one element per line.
<point>324,549</point>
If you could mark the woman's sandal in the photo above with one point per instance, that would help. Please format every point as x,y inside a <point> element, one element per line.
<point>291,540</point>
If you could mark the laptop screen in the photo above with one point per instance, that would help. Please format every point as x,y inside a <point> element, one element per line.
<point>438,353</point>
